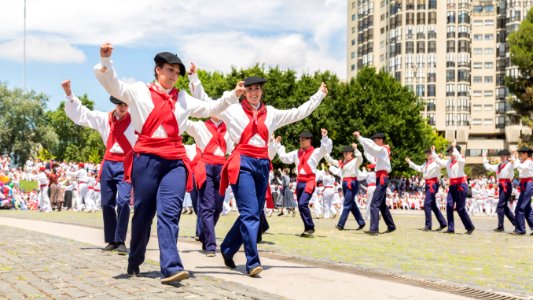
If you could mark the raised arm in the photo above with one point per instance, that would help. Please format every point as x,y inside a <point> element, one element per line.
<point>108,78</point>
<point>286,158</point>
<point>358,156</point>
<point>371,159</point>
<point>331,161</point>
<point>326,144</point>
<point>202,109</point>
<point>335,171</point>
<point>487,165</point>
<point>285,117</point>
<point>371,147</point>
<point>79,113</point>
<point>414,166</point>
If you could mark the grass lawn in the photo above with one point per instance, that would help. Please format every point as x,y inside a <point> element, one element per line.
<point>487,260</point>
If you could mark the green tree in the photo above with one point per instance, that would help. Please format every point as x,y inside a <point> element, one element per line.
<point>76,143</point>
<point>521,86</point>
<point>24,127</point>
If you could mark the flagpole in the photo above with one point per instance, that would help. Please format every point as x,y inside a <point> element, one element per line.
<point>24,52</point>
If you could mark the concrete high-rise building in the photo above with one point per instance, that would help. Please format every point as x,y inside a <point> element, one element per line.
<point>451,53</point>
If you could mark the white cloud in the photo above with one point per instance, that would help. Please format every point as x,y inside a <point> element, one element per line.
<point>43,49</point>
<point>301,34</point>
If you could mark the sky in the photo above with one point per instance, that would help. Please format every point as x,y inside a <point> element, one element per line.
<point>63,39</point>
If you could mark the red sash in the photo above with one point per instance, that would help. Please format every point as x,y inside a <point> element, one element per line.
<point>458,181</point>
<point>208,156</point>
<point>171,147</point>
<point>526,180</point>
<point>349,181</point>
<point>503,182</point>
<point>309,178</point>
<point>256,125</point>
<point>382,175</point>
<point>116,135</point>
<point>430,182</point>
<point>371,184</point>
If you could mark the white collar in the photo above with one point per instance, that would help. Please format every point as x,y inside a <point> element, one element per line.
<point>166,90</point>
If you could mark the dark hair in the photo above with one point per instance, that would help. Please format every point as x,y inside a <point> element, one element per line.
<point>160,65</point>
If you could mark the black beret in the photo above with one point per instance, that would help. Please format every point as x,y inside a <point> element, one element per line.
<point>504,152</point>
<point>306,134</point>
<point>428,151</point>
<point>450,149</point>
<point>347,149</point>
<point>254,80</point>
<point>378,136</point>
<point>115,100</point>
<point>525,149</point>
<point>171,59</point>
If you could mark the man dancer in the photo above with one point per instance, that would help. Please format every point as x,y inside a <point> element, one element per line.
<point>119,136</point>
<point>349,169</point>
<point>381,153</point>
<point>458,188</point>
<point>505,175</point>
<point>306,160</point>
<point>431,173</point>
<point>523,212</point>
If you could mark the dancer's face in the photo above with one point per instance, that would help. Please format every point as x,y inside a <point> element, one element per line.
<point>121,109</point>
<point>168,75</point>
<point>305,143</point>
<point>254,93</point>
<point>378,141</point>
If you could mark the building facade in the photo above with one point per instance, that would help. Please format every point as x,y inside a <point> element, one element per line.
<point>451,53</point>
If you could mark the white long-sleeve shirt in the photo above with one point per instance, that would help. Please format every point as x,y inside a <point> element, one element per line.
<point>80,175</point>
<point>139,99</point>
<point>349,169</point>
<point>326,145</point>
<point>454,170</point>
<point>97,120</point>
<point>202,136</point>
<point>525,168</point>
<point>379,153</point>
<point>428,169</point>
<point>507,172</point>
<point>237,120</point>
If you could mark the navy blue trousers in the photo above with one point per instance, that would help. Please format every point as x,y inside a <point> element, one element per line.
<point>210,205</point>
<point>430,205</point>
<point>523,211</point>
<point>457,195</point>
<point>249,192</point>
<point>303,206</point>
<point>196,207</point>
<point>349,205</point>
<point>159,186</point>
<point>503,209</point>
<point>379,204</point>
<point>115,195</point>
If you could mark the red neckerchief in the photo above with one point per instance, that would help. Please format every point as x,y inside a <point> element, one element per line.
<point>309,177</point>
<point>501,166</point>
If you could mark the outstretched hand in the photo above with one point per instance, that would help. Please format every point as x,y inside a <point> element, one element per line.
<point>356,134</point>
<point>192,69</point>
<point>66,87</point>
<point>240,89</point>
<point>407,160</point>
<point>278,139</point>
<point>324,88</point>
<point>324,132</point>
<point>354,146</point>
<point>106,49</point>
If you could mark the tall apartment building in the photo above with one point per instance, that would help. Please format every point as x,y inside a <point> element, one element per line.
<point>451,53</point>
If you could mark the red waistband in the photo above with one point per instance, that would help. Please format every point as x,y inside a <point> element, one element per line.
<point>504,180</point>
<point>232,166</point>
<point>114,156</point>
<point>526,180</point>
<point>305,177</point>
<point>212,159</point>
<point>381,173</point>
<point>432,180</point>
<point>458,180</point>
<point>328,187</point>
<point>82,182</point>
<point>349,179</point>
<point>91,188</point>
<point>43,185</point>
<point>371,184</point>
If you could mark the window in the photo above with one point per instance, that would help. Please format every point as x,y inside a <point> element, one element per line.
<point>451,17</point>
<point>476,93</point>
<point>463,75</point>
<point>478,22</point>
<point>409,47</point>
<point>489,22</point>
<point>476,122</point>
<point>476,107</point>
<point>488,107</point>
<point>450,90</point>
<point>432,46</point>
<point>488,121</point>
<point>489,79</point>
<point>420,47</point>
<point>450,119</point>
<point>488,93</point>
<point>432,4</point>
<point>420,90</point>
<point>476,79</point>
<point>478,51</point>
<point>489,50</point>
<point>431,90</point>
<point>478,65</point>
<point>478,37</point>
<point>353,17</point>
<point>432,77</point>
<point>489,65</point>
<point>450,75</point>
<point>489,37</point>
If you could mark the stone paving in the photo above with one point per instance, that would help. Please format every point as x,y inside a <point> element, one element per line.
<point>40,266</point>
